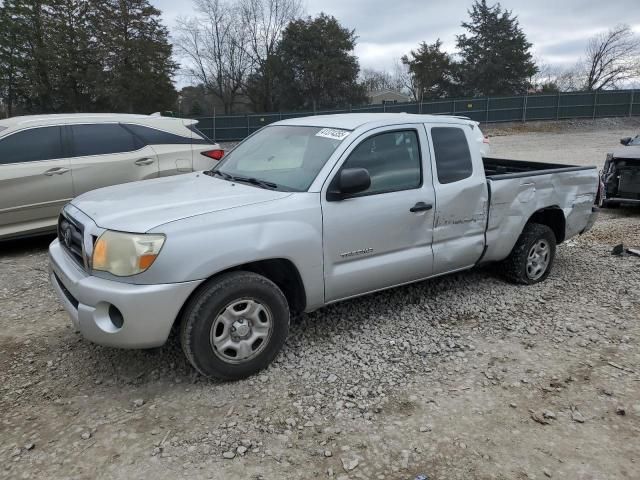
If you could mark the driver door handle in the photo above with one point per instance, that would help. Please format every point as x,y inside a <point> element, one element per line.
<point>421,207</point>
<point>144,161</point>
<point>56,171</point>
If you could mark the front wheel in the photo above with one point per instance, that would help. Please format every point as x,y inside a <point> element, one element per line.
<point>532,257</point>
<point>235,325</point>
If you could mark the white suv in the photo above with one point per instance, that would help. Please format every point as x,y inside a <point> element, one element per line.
<point>46,160</point>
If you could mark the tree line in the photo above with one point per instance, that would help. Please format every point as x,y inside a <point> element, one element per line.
<point>267,53</point>
<point>116,55</point>
<point>84,56</point>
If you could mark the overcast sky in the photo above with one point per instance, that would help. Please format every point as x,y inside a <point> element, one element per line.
<point>387,29</point>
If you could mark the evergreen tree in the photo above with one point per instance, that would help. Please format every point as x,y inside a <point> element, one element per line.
<point>12,56</point>
<point>431,71</point>
<point>496,56</point>
<point>135,54</point>
<point>24,54</point>
<point>318,69</point>
<point>77,69</point>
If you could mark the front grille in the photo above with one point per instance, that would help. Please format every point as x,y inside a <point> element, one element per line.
<point>71,234</point>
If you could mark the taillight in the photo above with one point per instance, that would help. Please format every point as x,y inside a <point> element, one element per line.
<point>214,154</point>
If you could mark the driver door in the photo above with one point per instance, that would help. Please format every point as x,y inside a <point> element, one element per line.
<point>373,240</point>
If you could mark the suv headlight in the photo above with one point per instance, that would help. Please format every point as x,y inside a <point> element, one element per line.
<point>126,254</point>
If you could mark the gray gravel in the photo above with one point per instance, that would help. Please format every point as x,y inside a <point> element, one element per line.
<point>465,376</point>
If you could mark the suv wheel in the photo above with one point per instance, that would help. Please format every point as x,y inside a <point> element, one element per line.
<point>235,325</point>
<point>532,257</point>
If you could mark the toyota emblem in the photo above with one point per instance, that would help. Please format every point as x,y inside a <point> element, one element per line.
<point>66,237</point>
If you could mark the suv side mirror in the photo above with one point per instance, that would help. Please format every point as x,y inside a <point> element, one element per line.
<point>625,141</point>
<point>349,181</point>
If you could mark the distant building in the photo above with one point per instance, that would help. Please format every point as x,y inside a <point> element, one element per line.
<point>388,96</point>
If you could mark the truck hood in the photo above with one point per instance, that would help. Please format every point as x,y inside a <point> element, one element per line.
<point>141,206</point>
<point>631,153</point>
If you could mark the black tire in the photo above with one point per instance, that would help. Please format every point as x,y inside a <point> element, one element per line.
<point>206,305</point>
<point>515,265</point>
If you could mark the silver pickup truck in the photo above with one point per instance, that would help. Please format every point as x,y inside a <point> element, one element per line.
<point>304,213</point>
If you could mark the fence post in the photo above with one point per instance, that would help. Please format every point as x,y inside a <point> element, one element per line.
<point>524,108</point>
<point>631,103</point>
<point>486,119</point>
<point>214,125</point>
<point>595,104</point>
<point>248,129</point>
<point>558,106</point>
<point>384,107</point>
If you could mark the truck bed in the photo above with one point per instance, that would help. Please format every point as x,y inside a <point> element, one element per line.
<point>502,168</point>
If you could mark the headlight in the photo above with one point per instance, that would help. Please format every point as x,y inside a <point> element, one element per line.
<point>126,254</point>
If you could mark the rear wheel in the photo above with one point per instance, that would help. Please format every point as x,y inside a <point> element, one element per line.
<point>532,257</point>
<point>235,325</point>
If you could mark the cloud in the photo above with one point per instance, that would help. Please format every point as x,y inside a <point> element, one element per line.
<point>386,30</point>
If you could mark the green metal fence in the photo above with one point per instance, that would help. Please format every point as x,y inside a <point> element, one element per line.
<point>618,103</point>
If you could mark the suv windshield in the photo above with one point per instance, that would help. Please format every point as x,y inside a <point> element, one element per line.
<point>282,157</point>
<point>634,141</point>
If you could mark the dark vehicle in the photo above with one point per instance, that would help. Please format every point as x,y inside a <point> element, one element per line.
<point>620,177</point>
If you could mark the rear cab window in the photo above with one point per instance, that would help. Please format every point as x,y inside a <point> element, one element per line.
<point>452,154</point>
<point>31,145</point>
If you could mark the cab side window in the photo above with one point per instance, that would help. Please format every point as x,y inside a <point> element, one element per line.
<point>392,160</point>
<point>32,145</point>
<point>453,158</point>
<point>102,139</point>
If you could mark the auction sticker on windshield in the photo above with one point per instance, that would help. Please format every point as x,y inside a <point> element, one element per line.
<point>333,133</point>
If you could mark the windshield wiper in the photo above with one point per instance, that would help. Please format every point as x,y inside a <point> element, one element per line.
<point>255,181</point>
<point>226,176</point>
<point>251,180</point>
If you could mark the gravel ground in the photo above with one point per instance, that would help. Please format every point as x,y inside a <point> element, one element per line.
<point>462,377</point>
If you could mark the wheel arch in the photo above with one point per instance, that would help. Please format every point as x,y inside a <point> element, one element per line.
<point>280,271</point>
<point>553,217</point>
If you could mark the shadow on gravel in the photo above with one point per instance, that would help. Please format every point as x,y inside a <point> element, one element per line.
<point>622,211</point>
<point>316,331</point>
<point>26,245</point>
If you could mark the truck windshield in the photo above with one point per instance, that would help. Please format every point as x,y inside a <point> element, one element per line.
<point>289,157</point>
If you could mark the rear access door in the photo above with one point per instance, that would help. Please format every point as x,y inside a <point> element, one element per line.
<point>462,198</point>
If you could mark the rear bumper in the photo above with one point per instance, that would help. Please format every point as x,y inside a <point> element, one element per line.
<point>592,220</point>
<point>148,311</point>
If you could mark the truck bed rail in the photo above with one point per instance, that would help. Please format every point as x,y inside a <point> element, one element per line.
<point>502,168</point>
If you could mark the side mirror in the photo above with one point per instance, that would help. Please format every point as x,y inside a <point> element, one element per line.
<point>625,141</point>
<point>349,182</point>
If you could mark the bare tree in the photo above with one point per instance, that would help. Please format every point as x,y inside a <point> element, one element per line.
<point>408,80</point>
<point>612,58</point>
<point>377,80</point>
<point>264,21</point>
<point>214,44</point>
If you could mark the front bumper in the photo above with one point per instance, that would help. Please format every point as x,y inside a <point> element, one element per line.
<point>148,311</point>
